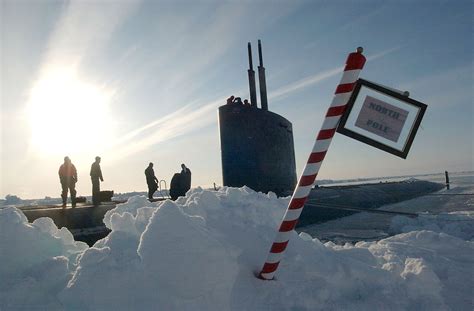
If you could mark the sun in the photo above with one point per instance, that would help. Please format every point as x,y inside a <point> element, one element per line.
<point>68,115</point>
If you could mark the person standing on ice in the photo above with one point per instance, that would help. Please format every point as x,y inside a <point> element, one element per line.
<point>96,177</point>
<point>151,180</point>
<point>68,178</point>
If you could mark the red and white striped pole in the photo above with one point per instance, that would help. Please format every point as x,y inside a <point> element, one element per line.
<point>354,64</point>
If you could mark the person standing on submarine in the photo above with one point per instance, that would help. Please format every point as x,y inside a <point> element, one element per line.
<point>151,180</point>
<point>96,178</point>
<point>68,178</point>
<point>180,183</point>
<point>185,178</point>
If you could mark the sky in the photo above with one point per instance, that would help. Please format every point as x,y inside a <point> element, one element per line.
<point>141,81</point>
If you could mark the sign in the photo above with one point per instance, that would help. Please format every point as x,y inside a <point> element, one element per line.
<point>382,117</point>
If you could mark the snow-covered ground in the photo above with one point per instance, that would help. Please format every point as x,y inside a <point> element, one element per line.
<point>202,251</point>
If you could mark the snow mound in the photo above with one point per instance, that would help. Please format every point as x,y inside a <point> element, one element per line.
<point>201,253</point>
<point>458,224</point>
<point>35,260</point>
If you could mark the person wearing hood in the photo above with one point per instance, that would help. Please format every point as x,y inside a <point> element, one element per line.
<point>185,178</point>
<point>180,183</point>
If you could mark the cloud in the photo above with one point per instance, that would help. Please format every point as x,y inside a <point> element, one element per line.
<point>192,45</point>
<point>186,119</point>
<point>83,28</point>
<point>181,122</point>
<point>383,53</point>
<point>319,77</point>
<point>189,47</point>
<point>305,82</point>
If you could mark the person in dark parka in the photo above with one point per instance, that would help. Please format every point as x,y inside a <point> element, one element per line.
<point>151,180</point>
<point>96,178</point>
<point>180,183</point>
<point>175,186</point>
<point>185,178</point>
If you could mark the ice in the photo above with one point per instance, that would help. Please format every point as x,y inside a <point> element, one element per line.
<point>11,200</point>
<point>202,252</point>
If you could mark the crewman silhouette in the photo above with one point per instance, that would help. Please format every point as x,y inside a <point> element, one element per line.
<point>96,178</point>
<point>151,180</point>
<point>68,178</point>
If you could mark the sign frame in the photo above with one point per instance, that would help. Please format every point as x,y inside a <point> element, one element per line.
<point>342,129</point>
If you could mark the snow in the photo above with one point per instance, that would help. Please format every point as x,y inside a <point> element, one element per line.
<point>202,251</point>
<point>36,260</point>
<point>457,224</point>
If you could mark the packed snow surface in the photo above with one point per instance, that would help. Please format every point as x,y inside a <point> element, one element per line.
<point>202,252</point>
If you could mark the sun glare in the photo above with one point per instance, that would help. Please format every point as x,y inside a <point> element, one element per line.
<point>68,115</point>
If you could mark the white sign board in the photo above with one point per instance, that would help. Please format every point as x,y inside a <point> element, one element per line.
<point>382,118</point>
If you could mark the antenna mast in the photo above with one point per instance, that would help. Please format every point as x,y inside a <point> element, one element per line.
<point>252,86</point>
<point>261,78</point>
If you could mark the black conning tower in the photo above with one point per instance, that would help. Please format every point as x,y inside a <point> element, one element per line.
<point>257,148</point>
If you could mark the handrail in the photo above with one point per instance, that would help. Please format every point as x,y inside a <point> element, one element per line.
<point>160,189</point>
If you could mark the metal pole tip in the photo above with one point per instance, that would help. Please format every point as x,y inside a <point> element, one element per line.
<point>360,49</point>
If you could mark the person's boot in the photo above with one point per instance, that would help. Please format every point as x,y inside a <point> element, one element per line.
<point>73,200</point>
<point>64,200</point>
